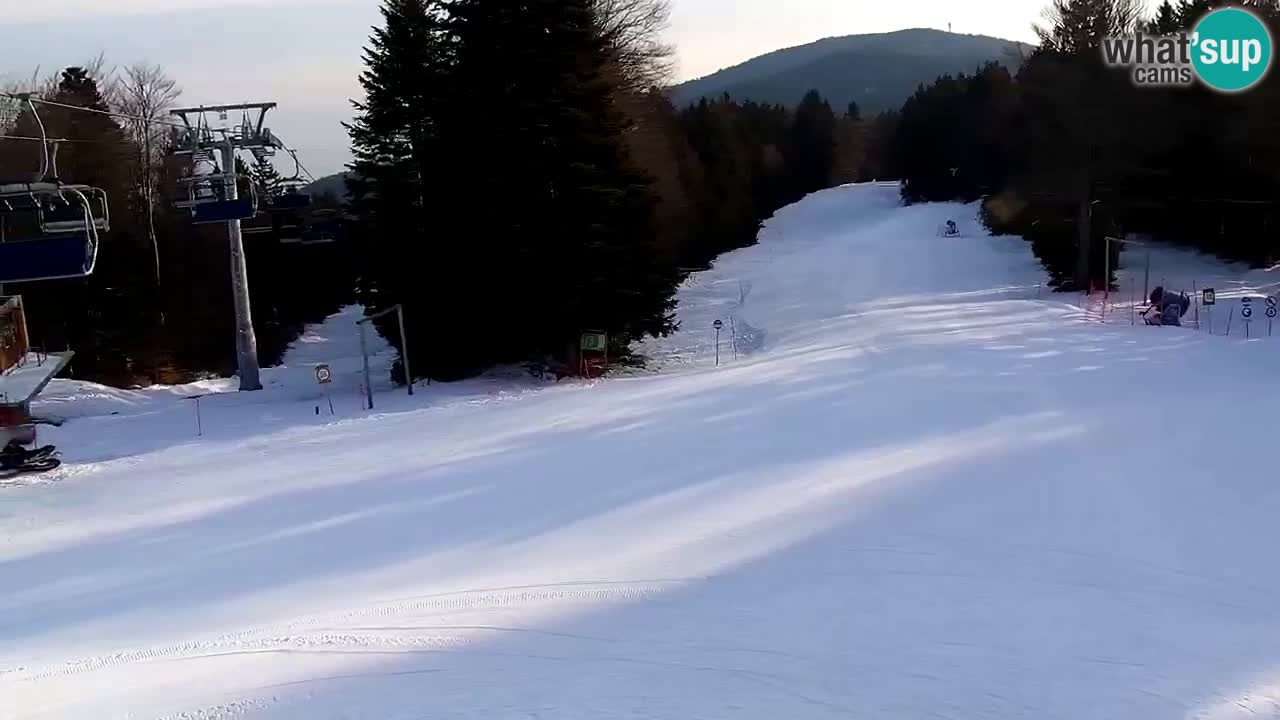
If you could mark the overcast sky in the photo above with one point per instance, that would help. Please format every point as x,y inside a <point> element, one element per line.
<point>305,54</point>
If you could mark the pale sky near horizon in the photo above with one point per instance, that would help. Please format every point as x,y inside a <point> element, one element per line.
<point>306,54</point>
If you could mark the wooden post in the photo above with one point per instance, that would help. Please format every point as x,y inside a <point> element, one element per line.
<point>364,353</point>
<point>404,349</point>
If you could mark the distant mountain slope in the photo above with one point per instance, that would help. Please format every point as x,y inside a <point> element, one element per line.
<point>878,71</point>
<point>335,184</point>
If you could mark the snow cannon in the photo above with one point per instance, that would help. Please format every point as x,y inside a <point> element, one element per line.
<point>1167,308</point>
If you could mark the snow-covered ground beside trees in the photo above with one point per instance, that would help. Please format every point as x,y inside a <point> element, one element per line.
<point>921,488</point>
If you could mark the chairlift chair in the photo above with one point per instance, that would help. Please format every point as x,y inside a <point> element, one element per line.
<point>56,228</point>
<point>207,199</point>
<point>64,216</point>
<point>322,228</point>
<point>287,211</point>
<point>290,200</point>
<point>49,229</point>
<point>260,224</point>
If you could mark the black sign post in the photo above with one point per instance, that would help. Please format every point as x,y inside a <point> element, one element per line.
<point>718,325</point>
<point>1209,298</point>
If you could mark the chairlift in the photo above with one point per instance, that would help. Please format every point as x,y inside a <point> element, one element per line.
<point>288,208</point>
<point>291,196</point>
<point>322,228</point>
<point>65,216</point>
<point>319,227</point>
<point>208,198</point>
<point>49,230</point>
<point>260,224</point>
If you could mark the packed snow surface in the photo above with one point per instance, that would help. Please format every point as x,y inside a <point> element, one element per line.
<point>917,486</point>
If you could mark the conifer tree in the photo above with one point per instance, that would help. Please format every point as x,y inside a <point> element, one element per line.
<point>579,236</point>
<point>1166,21</point>
<point>811,145</point>
<point>266,179</point>
<point>398,175</point>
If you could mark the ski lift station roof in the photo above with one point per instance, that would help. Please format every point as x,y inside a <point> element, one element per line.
<point>22,383</point>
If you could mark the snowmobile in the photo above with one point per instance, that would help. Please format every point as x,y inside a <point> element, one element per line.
<point>17,460</point>
<point>1166,308</point>
<point>949,229</point>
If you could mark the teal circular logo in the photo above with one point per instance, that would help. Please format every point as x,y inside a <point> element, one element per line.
<point>1231,49</point>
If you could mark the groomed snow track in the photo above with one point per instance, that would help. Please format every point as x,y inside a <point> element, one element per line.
<point>925,489</point>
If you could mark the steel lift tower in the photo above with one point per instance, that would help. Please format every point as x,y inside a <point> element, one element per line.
<point>213,197</point>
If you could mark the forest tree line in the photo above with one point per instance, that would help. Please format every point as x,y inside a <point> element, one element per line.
<point>1067,151</point>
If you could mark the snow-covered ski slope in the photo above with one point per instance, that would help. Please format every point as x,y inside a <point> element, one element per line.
<point>918,492</point>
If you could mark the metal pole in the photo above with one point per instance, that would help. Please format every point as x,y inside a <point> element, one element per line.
<point>1106,276</point>
<point>404,349</point>
<point>1195,296</point>
<point>1146,278</point>
<point>364,353</point>
<point>246,341</point>
<point>717,347</point>
<point>1133,302</point>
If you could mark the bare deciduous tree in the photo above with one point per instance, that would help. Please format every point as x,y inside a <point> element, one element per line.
<point>1079,25</point>
<point>633,29</point>
<point>146,94</point>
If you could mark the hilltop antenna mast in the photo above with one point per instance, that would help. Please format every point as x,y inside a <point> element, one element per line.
<point>197,137</point>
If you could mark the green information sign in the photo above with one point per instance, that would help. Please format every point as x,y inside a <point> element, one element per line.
<point>594,342</point>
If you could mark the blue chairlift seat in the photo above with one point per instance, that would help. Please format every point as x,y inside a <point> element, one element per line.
<point>67,255</point>
<point>207,199</point>
<point>290,201</point>
<point>61,239</point>
<point>223,211</point>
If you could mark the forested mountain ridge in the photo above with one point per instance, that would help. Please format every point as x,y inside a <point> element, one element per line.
<point>335,184</point>
<point>878,71</point>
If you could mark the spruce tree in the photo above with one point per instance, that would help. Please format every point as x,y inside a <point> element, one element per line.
<point>1166,21</point>
<point>811,146</point>
<point>576,242</point>
<point>266,179</point>
<point>398,179</point>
